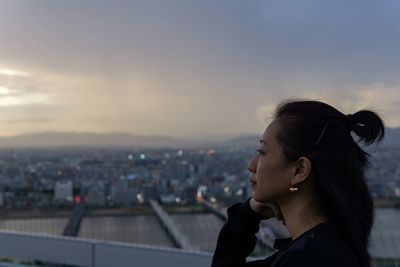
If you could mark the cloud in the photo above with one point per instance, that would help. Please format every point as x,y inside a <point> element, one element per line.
<point>383,98</point>
<point>189,68</point>
<point>18,88</point>
<point>28,121</point>
<point>10,72</point>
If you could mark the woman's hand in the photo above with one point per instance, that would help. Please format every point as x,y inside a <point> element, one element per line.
<point>267,209</point>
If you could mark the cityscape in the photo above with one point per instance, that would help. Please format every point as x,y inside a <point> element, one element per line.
<point>105,177</point>
<point>59,178</point>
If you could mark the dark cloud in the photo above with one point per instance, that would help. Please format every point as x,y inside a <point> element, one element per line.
<point>333,39</point>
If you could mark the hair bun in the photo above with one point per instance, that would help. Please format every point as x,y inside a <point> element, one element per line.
<point>350,121</point>
<point>367,125</point>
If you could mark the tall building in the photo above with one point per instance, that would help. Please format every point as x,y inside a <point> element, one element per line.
<point>63,191</point>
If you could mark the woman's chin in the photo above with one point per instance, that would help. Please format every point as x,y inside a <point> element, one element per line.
<point>260,198</point>
<point>256,197</point>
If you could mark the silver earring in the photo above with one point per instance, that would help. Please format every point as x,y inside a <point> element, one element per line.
<point>293,189</point>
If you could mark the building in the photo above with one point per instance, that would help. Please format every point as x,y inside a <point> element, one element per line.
<point>63,191</point>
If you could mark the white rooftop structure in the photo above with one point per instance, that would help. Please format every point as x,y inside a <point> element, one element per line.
<point>94,253</point>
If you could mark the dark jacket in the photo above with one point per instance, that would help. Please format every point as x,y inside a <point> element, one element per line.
<point>321,246</point>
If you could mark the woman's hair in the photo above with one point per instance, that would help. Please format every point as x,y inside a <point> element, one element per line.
<point>323,134</point>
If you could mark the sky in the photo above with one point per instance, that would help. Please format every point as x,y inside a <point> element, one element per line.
<point>189,69</point>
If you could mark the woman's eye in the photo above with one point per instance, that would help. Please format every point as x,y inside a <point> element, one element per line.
<point>260,151</point>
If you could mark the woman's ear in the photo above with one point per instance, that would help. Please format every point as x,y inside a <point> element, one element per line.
<point>302,169</point>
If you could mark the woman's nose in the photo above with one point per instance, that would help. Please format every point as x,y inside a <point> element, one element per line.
<point>252,165</point>
<point>250,169</point>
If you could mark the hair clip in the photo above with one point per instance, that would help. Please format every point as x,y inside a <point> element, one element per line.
<point>319,138</point>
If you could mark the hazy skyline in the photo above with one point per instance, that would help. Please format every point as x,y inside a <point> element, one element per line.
<point>191,68</point>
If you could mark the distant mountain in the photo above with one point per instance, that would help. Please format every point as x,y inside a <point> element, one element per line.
<point>242,141</point>
<point>62,139</point>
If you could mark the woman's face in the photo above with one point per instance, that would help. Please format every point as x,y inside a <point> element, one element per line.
<point>271,175</point>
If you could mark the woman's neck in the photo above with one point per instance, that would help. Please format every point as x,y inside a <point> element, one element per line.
<point>297,218</point>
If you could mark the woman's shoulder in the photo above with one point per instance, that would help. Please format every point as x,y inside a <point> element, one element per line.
<point>330,247</point>
<point>323,246</point>
<point>311,258</point>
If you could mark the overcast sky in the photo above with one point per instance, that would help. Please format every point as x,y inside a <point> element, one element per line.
<point>191,68</point>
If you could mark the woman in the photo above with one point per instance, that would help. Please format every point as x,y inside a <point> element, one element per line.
<point>309,173</point>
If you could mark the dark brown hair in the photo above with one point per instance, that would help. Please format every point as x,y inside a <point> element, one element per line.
<point>323,134</point>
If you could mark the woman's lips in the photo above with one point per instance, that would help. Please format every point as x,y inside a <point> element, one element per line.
<point>252,181</point>
<point>253,184</point>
